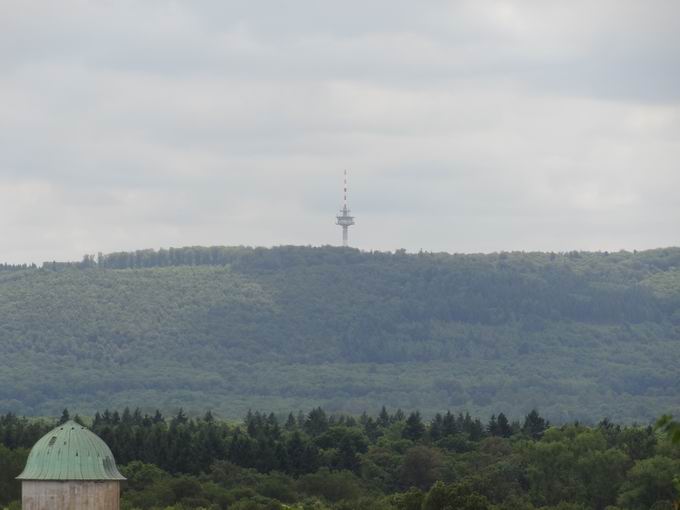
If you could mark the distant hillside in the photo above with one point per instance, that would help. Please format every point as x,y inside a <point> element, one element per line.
<point>578,335</point>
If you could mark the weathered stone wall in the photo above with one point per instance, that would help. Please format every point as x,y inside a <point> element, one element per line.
<point>72,495</point>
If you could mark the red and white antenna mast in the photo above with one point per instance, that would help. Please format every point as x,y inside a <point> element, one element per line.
<point>344,219</point>
<point>345,194</point>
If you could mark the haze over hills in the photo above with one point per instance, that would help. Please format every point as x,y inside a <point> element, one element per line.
<point>577,335</point>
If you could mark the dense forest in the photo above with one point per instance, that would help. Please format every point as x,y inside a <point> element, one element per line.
<point>390,461</point>
<point>581,336</point>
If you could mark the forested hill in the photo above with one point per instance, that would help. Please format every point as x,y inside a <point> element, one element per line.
<point>577,335</point>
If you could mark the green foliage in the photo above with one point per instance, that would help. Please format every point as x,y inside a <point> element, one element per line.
<point>410,500</point>
<point>332,486</point>
<point>140,475</point>
<point>421,467</point>
<point>414,428</point>
<point>580,335</point>
<point>534,425</point>
<point>11,464</point>
<point>650,482</point>
<point>671,428</point>
<point>184,463</point>
<point>454,497</point>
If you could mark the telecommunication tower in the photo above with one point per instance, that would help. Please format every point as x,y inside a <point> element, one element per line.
<point>344,219</point>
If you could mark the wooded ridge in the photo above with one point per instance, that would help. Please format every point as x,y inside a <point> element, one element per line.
<point>577,335</point>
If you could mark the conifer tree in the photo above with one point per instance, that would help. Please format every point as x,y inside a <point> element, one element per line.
<point>534,425</point>
<point>65,416</point>
<point>291,424</point>
<point>383,418</point>
<point>436,427</point>
<point>317,422</point>
<point>414,428</point>
<point>449,426</point>
<point>492,427</point>
<point>504,428</point>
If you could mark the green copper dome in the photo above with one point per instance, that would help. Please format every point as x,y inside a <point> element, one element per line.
<point>70,452</point>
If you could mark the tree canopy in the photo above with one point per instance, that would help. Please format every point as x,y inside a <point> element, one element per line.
<point>580,335</point>
<point>327,461</point>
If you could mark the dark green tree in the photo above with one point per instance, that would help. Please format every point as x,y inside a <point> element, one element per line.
<point>65,416</point>
<point>504,428</point>
<point>414,428</point>
<point>316,422</point>
<point>534,425</point>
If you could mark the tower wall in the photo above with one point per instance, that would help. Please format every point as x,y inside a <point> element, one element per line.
<point>70,495</point>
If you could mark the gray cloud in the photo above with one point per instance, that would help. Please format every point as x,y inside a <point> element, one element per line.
<point>467,126</point>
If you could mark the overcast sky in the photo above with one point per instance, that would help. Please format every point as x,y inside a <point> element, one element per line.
<point>465,126</point>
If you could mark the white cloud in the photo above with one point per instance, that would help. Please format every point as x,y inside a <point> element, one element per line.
<point>467,126</point>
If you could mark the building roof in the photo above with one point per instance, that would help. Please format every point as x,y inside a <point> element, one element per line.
<point>70,452</point>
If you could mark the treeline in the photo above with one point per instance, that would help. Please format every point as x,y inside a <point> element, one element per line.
<point>642,262</point>
<point>180,444</point>
<point>492,289</point>
<point>392,461</point>
<point>17,267</point>
<point>187,256</point>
